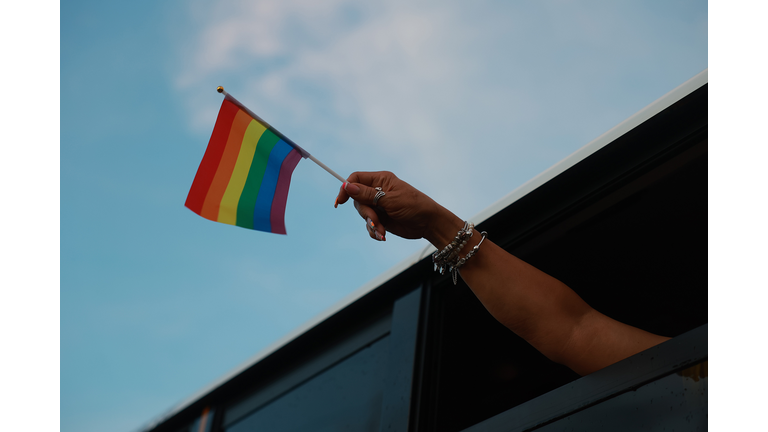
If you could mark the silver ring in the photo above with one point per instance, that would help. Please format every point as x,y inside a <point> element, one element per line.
<point>379,195</point>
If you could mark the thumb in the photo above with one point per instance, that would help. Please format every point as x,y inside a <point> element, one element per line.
<point>360,193</point>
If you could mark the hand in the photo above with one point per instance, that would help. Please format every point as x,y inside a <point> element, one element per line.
<point>404,210</point>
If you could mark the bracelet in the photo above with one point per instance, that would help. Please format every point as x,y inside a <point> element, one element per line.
<point>455,268</point>
<point>449,258</point>
<point>461,239</point>
<point>450,254</point>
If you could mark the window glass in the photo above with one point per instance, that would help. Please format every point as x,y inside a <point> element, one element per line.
<point>344,397</point>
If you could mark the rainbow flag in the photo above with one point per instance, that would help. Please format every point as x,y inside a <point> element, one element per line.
<point>245,173</point>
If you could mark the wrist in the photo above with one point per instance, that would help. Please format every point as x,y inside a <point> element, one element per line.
<point>443,227</point>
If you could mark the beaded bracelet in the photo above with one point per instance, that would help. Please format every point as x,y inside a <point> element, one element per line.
<point>449,258</point>
<point>454,251</point>
<point>449,255</point>
<point>455,268</point>
<point>443,256</point>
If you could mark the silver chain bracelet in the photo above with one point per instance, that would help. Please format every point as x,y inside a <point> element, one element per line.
<point>449,258</point>
<point>450,254</point>
<point>455,268</point>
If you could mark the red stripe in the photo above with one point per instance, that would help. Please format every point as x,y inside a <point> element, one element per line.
<point>212,157</point>
<point>277,214</point>
<point>226,166</point>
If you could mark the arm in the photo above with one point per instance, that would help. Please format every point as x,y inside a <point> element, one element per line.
<point>537,307</point>
<point>542,310</point>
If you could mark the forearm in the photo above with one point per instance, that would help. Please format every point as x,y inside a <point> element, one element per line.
<point>541,309</point>
<point>534,305</point>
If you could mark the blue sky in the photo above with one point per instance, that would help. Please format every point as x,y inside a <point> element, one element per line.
<point>464,101</point>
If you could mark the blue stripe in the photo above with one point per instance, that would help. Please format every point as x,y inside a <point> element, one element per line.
<point>263,205</point>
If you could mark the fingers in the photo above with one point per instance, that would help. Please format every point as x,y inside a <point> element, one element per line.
<point>373,230</point>
<point>373,223</point>
<point>344,195</point>
<point>360,186</point>
<point>372,179</point>
<point>360,193</point>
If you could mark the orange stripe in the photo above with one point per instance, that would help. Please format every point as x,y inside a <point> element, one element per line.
<point>227,165</point>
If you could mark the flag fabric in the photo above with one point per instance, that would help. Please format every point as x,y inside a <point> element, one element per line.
<point>245,174</point>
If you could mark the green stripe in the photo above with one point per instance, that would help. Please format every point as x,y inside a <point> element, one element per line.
<point>256,174</point>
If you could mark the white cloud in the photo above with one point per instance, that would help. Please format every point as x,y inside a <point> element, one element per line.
<point>385,76</point>
<point>422,88</point>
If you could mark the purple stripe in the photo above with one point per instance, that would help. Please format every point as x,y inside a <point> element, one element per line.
<point>277,214</point>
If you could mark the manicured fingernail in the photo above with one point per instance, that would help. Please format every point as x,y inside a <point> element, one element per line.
<point>351,188</point>
<point>383,238</point>
<point>370,222</point>
<point>378,236</point>
<point>336,203</point>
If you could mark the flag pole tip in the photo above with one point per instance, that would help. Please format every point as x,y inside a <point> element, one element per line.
<point>220,89</point>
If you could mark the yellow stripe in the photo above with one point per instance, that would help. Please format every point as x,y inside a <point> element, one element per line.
<point>228,208</point>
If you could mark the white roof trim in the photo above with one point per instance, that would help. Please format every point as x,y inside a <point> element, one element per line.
<point>638,118</point>
<point>627,125</point>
